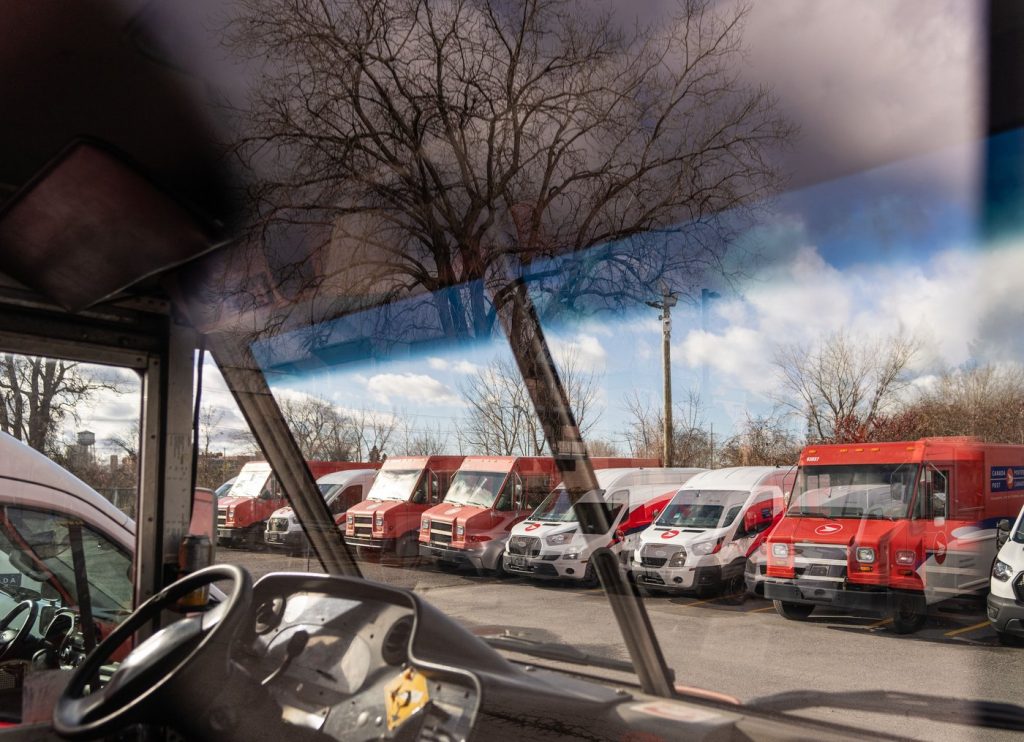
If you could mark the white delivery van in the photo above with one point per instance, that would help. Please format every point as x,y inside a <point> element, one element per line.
<point>1006,596</point>
<point>340,489</point>
<point>54,527</point>
<point>549,544</point>
<point>701,540</point>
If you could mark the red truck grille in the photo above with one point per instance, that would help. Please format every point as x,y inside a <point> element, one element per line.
<point>823,562</point>
<point>363,525</point>
<point>440,533</point>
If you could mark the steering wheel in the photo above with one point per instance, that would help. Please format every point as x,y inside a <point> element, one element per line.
<point>152,671</point>
<point>12,639</point>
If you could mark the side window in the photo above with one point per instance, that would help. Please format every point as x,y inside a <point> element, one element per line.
<point>353,495</point>
<point>423,488</point>
<point>43,551</point>
<point>537,488</point>
<point>762,511</point>
<point>731,514</point>
<point>439,486</point>
<point>510,495</point>
<point>932,493</point>
<point>618,501</point>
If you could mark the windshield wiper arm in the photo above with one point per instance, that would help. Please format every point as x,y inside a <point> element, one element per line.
<point>556,652</point>
<point>990,714</point>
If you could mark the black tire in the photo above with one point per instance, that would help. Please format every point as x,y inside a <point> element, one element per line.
<point>590,576</point>
<point>1007,639</point>
<point>703,592</point>
<point>908,613</point>
<point>793,611</point>
<point>734,590</point>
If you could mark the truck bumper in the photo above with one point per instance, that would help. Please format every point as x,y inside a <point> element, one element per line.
<point>1006,615</point>
<point>461,557</point>
<point>285,539</point>
<point>384,545</point>
<point>754,577</point>
<point>678,579</point>
<point>824,593</point>
<point>545,566</point>
<point>231,535</point>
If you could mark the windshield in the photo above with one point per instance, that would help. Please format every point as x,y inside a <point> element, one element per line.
<point>249,483</point>
<point>882,491</point>
<point>394,484</point>
<point>479,489</point>
<point>327,489</point>
<point>703,509</point>
<point>557,507</point>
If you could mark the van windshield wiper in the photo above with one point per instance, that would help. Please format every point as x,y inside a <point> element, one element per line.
<point>990,714</point>
<point>556,652</point>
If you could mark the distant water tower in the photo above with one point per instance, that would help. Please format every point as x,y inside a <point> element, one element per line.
<point>87,445</point>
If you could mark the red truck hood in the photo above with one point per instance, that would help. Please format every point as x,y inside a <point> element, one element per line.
<point>369,507</point>
<point>842,531</point>
<point>226,502</point>
<point>448,513</point>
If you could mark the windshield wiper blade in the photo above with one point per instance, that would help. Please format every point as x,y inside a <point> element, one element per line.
<point>556,652</point>
<point>989,714</point>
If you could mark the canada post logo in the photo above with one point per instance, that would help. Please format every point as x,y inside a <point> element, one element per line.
<point>1006,478</point>
<point>828,529</point>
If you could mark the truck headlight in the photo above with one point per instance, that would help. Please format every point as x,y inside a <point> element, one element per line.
<point>780,551</point>
<point>678,559</point>
<point>559,538</point>
<point>425,524</point>
<point>1002,571</point>
<point>905,558</point>
<point>379,519</point>
<point>865,555</point>
<point>350,526</point>
<point>706,547</point>
<point>460,530</point>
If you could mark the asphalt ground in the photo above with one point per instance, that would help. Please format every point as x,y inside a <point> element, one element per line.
<point>742,648</point>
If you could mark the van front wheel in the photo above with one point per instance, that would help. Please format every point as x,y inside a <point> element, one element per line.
<point>908,613</point>
<point>793,611</point>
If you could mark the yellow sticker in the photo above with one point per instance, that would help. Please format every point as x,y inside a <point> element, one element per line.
<point>404,696</point>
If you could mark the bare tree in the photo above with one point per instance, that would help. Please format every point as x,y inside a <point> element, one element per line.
<point>422,442</point>
<point>127,441</point>
<point>844,387</point>
<point>986,401</point>
<point>761,441</point>
<point>441,147</point>
<point>692,444</point>
<point>38,394</point>
<point>320,429</point>
<point>375,432</point>
<point>501,419</point>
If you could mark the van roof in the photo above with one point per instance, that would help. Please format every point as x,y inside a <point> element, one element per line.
<point>735,477</point>
<point>346,475</point>
<point>629,477</point>
<point>21,463</point>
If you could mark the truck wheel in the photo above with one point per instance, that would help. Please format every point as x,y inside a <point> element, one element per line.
<point>734,591</point>
<point>590,576</point>
<point>1007,639</point>
<point>793,611</point>
<point>908,613</point>
<point>407,550</point>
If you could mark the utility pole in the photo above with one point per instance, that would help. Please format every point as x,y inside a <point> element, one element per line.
<point>668,300</point>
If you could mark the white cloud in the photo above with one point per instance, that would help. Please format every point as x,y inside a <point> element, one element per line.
<point>437,364</point>
<point>458,367</point>
<point>582,349</point>
<point>417,388</point>
<point>962,304</point>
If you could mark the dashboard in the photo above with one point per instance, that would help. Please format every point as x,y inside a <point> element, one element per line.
<point>348,666</point>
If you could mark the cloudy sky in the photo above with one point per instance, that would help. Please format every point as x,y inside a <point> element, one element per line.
<point>878,232</point>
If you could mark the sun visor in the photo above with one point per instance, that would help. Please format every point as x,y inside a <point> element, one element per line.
<point>91,225</point>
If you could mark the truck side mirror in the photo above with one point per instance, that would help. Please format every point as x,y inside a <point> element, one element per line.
<point>1002,532</point>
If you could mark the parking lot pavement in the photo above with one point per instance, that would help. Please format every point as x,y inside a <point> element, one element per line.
<point>743,649</point>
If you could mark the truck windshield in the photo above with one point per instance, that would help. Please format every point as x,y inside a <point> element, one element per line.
<point>557,507</point>
<point>703,509</point>
<point>249,483</point>
<point>869,491</point>
<point>479,489</point>
<point>394,484</point>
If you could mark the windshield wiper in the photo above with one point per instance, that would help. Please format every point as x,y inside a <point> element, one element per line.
<point>556,652</point>
<point>989,714</point>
